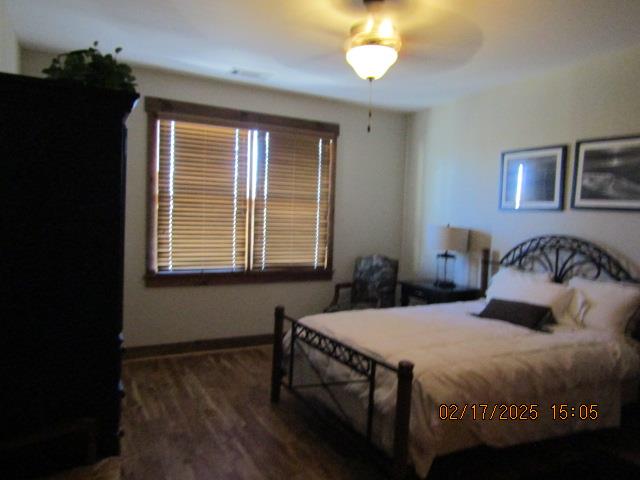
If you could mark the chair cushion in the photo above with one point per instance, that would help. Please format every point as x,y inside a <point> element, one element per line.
<point>374,281</point>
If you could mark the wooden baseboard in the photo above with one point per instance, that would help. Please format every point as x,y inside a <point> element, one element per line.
<point>196,346</point>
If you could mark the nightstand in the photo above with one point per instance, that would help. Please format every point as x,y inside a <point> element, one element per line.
<point>425,290</point>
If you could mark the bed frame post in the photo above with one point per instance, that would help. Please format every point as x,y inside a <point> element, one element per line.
<point>484,269</point>
<point>403,414</point>
<point>276,367</point>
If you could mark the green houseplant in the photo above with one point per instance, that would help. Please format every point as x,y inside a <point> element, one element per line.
<point>92,68</point>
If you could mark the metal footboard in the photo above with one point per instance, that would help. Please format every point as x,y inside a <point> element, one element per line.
<point>357,361</point>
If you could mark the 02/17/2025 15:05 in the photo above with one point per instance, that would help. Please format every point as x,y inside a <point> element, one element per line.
<point>585,411</point>
<point>525,411</point>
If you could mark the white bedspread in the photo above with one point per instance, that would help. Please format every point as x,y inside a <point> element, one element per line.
<point>462,359</point>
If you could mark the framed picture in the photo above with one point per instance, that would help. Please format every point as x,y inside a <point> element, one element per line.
<point>607,174</point>
<point>533,179</point>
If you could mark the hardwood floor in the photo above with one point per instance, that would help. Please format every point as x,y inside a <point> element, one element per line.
<point>208,416</point>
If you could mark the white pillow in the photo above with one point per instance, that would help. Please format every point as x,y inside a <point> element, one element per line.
<point>610,304</point>
<point>534,288</point>
<point>512,274</point>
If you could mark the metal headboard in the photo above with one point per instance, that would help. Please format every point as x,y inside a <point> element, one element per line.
<point>565,257</point>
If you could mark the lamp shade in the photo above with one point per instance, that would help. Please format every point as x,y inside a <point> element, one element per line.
<point>447,238</point>
<point>371,61</point>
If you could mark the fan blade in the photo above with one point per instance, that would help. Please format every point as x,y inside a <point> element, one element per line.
<point>443,38</point>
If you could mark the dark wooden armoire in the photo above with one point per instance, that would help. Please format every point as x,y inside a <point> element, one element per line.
<point>62,184</point>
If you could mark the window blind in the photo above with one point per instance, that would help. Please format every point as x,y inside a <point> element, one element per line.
<point>292,201</point>
<point>202,190</point>
<point>242,199</point>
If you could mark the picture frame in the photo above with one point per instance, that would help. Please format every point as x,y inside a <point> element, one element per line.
<point>607,174</point>
<point>533,178</point>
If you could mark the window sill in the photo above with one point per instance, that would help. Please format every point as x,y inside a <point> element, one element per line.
<point>176,279</point>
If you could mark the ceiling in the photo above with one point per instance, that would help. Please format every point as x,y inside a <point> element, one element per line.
<point>450,47</point>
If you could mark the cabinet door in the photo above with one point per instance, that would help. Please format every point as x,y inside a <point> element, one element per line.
<point>62,258</point>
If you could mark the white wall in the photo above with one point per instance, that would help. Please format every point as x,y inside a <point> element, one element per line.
<point>368,211</point>
<point>453,159</point>
<point>9,49</point>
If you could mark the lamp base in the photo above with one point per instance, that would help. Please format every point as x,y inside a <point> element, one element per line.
<point>444,284</point>
<point>442,279</point>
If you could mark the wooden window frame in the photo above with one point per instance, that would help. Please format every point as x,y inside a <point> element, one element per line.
<point>159,108</point>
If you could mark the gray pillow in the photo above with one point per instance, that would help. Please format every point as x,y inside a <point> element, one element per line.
<point>535,317</point>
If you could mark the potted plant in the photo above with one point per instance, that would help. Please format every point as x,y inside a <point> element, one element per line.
<point>90,67</point>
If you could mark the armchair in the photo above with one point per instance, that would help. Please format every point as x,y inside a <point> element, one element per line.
<point>373,285</point>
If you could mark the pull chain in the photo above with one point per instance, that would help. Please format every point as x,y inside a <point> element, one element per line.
<point>370,89</point>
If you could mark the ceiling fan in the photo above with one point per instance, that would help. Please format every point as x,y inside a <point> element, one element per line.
<point>431,34</point>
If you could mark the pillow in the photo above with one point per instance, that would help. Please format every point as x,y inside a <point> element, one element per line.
<point>633,325</point>
<point>506,274</point>
<point>533,288</point>
<point>535,317</point>
<point>510,280</point>
<point>578,308</point>
<point>611,304</point>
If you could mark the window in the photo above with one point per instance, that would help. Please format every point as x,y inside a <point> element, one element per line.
<point>238,196</point>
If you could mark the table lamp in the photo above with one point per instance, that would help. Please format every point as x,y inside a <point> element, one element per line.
<point>448,239</point>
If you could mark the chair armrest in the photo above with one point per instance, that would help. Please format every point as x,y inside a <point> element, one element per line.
<point>336,292</point>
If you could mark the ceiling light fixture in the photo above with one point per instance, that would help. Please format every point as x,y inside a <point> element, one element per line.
<point>373,47</point>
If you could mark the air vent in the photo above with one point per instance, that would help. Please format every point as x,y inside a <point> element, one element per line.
<point>252,74</point>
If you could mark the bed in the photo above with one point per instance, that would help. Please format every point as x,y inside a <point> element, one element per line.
<point>423,381</point>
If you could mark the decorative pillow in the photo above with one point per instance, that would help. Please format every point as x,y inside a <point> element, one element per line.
<point>533,288</point>
<point>611,304</point>
<point>535,317</point>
